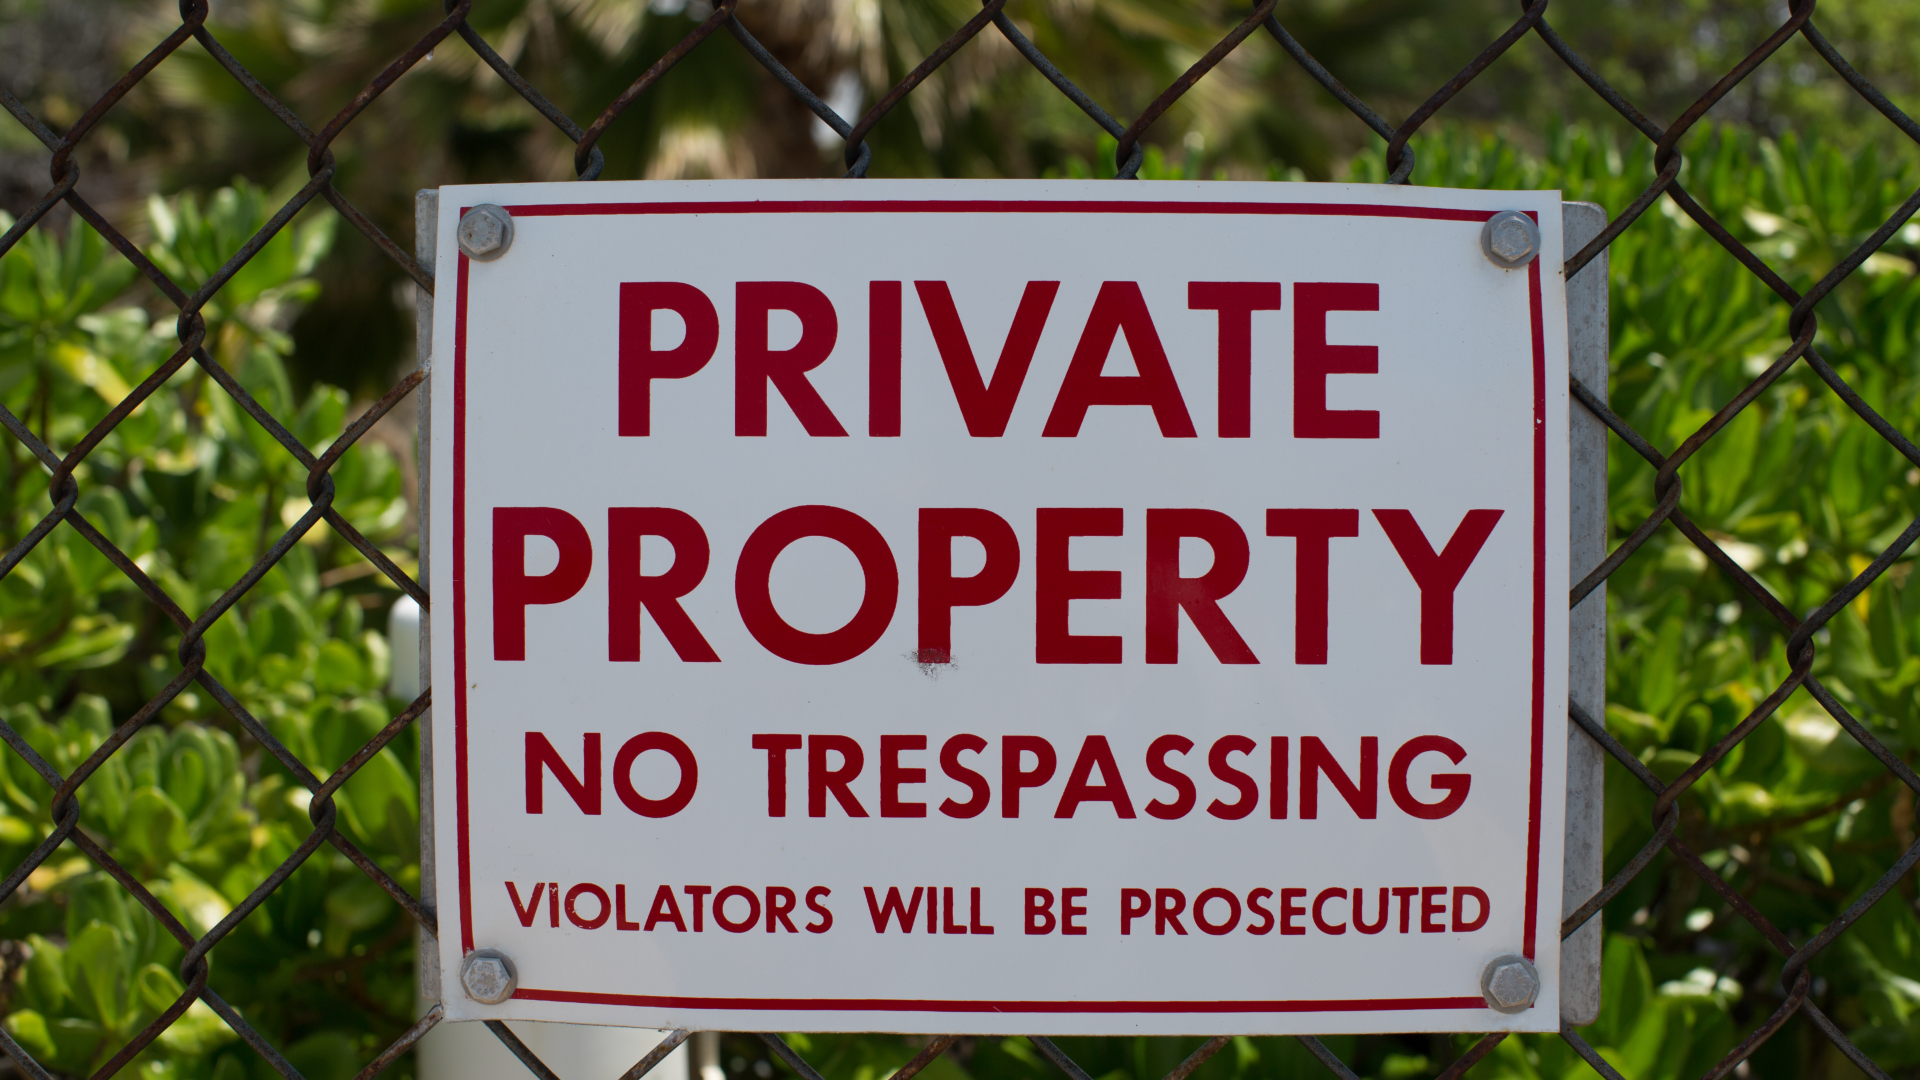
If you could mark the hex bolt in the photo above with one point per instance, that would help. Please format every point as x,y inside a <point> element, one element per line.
<point>488,976</point>
<point>1510,984</point>
<point>486,232</point>
<point>1510,239</point>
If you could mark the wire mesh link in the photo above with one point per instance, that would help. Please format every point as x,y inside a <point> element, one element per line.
<point>64,173</point>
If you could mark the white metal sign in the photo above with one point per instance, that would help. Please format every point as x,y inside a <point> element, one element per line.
<point>1012,607</point>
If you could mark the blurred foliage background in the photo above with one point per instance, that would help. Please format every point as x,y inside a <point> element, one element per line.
<point>1797,490</point>
<point>194,491</point>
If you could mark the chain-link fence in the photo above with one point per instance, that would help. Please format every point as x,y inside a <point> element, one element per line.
<point>1259,29</point>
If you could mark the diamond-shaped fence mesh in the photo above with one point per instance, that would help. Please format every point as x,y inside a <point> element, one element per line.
<point>1258,30</point>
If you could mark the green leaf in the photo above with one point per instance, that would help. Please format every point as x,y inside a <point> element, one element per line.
<point>99,970</point>
<point>340,670</point>
<point>44,983</point>
<point>157,988</point>
<point>91,643</point>
<point>198,904</point>
<point>155,828</point>
<point>384,797</point>
<point>325,1055</point>
<point>1818,866</point>
<point>1822,743</point>
<point>29,1029</point>
<point>198,1032</point>
<point>1660,675</point>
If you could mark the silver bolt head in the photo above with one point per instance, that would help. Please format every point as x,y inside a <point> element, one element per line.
<point>488,976</point>
<point>486,232</point>
<point>1510,239</point>
<point>1510,984</point>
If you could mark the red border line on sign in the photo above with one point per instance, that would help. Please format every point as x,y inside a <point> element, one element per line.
<point>938,1005</point>
<point>460,594</point>
<point>993,206</point>
<point>894,206</point>
<point>1536,767</point>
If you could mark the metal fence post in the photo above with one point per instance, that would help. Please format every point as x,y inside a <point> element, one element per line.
<point>1587,348</point>
<point>426,219</point>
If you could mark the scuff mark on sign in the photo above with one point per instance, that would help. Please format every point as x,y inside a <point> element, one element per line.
<point>931,661</point>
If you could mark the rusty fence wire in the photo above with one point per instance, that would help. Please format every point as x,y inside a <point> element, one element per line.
<point>1259,29</point>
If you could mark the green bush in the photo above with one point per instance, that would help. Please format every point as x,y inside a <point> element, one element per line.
<point>194,491</point>
<point>1802,494</point>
